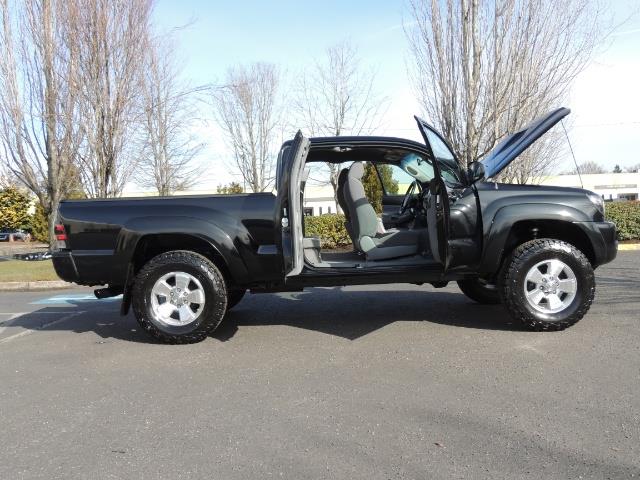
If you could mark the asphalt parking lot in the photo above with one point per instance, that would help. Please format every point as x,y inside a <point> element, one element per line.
<point>393,381</point>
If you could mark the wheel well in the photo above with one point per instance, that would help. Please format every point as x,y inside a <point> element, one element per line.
<point>557,229</point>
<point>150,246</point>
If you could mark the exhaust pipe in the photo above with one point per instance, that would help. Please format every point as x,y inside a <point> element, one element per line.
<point>101,293</point>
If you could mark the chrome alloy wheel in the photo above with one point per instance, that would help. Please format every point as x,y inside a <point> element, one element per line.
<point>550,286</point>
<point>177,299</point>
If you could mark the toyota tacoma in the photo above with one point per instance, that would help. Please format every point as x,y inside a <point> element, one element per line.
<point>182,262</point>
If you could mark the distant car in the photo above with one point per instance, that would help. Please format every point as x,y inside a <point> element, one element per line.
<point>18,235</point>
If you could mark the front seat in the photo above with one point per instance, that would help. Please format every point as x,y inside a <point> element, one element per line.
<point>364,223</point>
<point>342,180</point>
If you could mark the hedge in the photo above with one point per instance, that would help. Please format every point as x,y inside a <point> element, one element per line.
<point>330,229</point>
<point>626,216</point>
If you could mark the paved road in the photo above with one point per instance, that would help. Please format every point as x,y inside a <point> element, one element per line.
<point>372,382</point>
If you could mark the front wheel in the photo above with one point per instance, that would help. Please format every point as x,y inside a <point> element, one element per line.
<point>547,284</point>
<point>179,297</point>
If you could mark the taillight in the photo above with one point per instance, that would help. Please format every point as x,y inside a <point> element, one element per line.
<point>61,235</point>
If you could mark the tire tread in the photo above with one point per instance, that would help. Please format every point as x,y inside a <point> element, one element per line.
<point>517,309</point>
<point>192,259</point>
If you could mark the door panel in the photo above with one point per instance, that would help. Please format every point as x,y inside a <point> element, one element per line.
<point>289,207</point>
<point>437,200</point>
<point>437,207</point>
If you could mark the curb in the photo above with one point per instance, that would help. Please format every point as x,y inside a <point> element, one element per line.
<point>34,286</point>
<point>628,246</point>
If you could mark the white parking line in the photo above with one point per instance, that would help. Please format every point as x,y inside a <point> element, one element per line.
<point>4,324</point>
<point>42,327</point>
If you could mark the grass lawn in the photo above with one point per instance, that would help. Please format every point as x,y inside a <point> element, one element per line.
<point>22,271</point>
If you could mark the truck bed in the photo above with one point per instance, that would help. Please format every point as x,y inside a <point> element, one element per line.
<point>103,235</point>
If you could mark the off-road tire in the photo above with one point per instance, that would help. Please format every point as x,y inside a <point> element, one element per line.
<point>527,255</point>
<point>234,297</point>
<point>479,292</point>
<point>212,282</point>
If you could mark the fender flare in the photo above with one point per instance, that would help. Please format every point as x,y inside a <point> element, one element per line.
<point>496,232</point>
<point>137,228</point>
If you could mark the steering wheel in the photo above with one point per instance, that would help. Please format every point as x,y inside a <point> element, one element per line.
<point>407,198</point>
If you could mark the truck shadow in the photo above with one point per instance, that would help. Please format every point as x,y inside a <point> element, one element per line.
<point>354,314</point>
<point>348,314</point>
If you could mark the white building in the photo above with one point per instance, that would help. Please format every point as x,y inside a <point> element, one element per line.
<point>610,186</point>
<point>318,200</point>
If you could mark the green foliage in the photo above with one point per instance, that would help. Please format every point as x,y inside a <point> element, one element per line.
<point>626,216</point>
<point>372,186</point>
<point>330,229</point>
<point>40,225</point>
<point>14,209</point>
<point>233,187</point>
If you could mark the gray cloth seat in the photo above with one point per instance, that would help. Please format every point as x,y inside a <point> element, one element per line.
<point>364,223</point>
<point>342,180</point>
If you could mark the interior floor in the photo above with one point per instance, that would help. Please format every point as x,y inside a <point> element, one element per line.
<point>317,258</point>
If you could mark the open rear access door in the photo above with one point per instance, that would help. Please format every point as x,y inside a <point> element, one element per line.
<point>289,216</point>
<point>437,199</point>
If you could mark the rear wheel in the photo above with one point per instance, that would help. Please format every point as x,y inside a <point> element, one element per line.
<point>480,292</point>
<point>548,284</point>
<point>179,297</point>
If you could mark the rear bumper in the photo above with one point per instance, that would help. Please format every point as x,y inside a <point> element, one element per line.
<point>88,267</point>
<point>64,266</point>
<point>604,240</point>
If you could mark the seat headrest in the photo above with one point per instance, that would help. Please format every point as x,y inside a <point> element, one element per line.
<point>356,170</point>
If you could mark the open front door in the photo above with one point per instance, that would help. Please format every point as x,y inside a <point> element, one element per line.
<point>437,199</point>
<point>289,209</point>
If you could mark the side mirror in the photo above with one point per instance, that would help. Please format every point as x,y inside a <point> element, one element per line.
<point>475,172</point>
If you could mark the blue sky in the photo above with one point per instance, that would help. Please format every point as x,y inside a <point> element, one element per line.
<point>605,101</point>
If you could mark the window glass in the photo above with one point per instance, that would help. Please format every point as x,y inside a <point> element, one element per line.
<point>394,179</point>
<point>445,158</point>
<point>439,148</point>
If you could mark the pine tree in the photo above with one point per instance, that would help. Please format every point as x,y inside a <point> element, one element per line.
<point>14,208</point>
<point>372,186</point>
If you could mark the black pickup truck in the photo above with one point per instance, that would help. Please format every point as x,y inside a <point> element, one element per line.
<point>183,261</point>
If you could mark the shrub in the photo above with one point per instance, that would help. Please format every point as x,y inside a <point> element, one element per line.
<point>330,228</point>
<point>39,225</point>
<point>14,208</point>
<point>626,216</point>
<point>233,187</point>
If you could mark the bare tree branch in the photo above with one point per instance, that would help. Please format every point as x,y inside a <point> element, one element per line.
<point>247,109</point>
<point>485,68</point>
<point>336,97</point>
<point>169,113</point>
<point>113,35</point>
<point>39,135</point>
